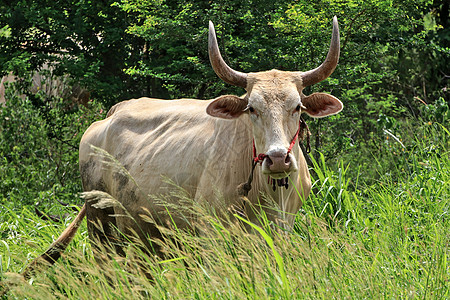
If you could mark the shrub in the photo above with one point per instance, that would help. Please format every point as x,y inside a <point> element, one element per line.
<point>39,148</point>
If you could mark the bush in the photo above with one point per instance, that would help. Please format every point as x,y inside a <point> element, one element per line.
<point>405,166</point>
<point>39,149</point>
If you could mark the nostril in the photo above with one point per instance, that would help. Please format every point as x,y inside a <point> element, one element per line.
<point>288,159</point>
<point>269,161</point>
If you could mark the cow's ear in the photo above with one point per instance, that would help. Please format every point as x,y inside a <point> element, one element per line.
<point>227,107</point>
<point>319,105</point>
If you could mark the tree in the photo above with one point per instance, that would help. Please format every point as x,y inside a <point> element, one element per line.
<point>83,39</point>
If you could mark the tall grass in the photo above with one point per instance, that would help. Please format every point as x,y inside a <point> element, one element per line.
<point>353,240</point>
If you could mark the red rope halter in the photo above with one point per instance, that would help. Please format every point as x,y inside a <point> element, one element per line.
<point>260,157</point>
<point>245,187</point>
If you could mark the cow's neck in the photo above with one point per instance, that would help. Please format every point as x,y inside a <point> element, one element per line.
<point>232,152</point>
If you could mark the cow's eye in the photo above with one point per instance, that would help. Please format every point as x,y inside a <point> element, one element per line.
<point>252,110</point>
<point>298,108</point>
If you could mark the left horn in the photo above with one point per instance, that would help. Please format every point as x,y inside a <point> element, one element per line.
<point>222,70</point>
<point>327,67</point>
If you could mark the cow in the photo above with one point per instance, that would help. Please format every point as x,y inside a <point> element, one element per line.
<point>206,148</point>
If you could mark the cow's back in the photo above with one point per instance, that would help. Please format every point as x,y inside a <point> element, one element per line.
<point>147,136</point>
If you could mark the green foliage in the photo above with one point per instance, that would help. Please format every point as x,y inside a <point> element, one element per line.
<point>405,181</point>
<point>437,112</point>
<point>39,149</point>
<point>84,39</point>
<point>332,198</point>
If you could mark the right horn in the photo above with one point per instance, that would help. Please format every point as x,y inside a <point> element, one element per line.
<point>327,67</point>
<point>222,70</point>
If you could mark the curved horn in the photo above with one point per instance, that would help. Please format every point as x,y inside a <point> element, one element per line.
<point>327,67</point>
<point>222,70</point>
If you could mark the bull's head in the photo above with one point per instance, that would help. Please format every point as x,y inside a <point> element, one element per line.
<point>274,101</point>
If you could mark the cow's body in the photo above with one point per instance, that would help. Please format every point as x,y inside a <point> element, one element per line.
<point>167,143</point>
<point>204,150</point>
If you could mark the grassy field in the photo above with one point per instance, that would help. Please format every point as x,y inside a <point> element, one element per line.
<point>359,236</point>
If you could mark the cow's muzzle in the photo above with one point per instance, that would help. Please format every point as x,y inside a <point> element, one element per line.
<point>278,164</point>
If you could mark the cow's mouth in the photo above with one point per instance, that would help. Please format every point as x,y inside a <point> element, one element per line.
<point>279,175</point>
<point>279,182</point>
